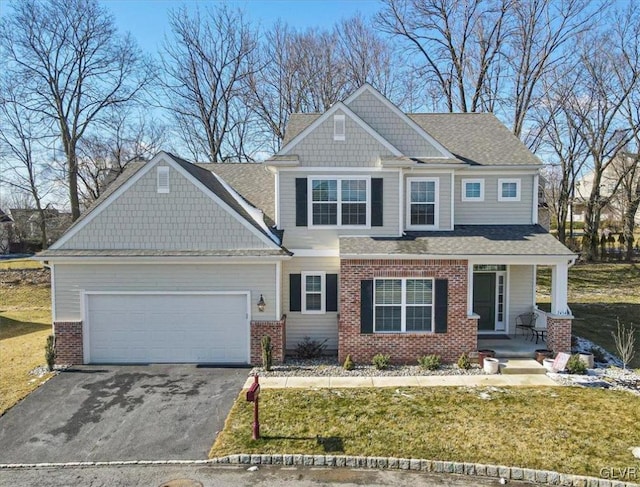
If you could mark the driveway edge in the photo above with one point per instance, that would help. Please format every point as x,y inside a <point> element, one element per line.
<point>546,477</point>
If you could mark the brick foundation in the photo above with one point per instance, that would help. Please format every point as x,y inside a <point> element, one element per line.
<point>559,334</point>
<point>68,342</point>
<point>277,331</point>
<point>461,334</point>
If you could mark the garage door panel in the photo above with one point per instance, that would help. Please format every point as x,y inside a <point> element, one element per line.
<point>167,328</point>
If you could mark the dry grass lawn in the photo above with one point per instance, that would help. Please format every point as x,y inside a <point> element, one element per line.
<point>20,264</point>
<point>25,322</point>
<point>559,429</point>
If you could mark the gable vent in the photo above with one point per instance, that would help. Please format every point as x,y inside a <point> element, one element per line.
<point>338,127</point>
<point>163,179</point>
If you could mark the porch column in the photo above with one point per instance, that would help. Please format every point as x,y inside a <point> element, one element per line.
<point>559,289</point>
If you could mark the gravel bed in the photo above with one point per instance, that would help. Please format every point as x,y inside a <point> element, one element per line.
<point>612,378</point>
<point>329,367</point>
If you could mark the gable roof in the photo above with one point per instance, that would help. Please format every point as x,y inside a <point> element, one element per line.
<point>325,116</point>
<point>474,138</point>
<point>210,182</point>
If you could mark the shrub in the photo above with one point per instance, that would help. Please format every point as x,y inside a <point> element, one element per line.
<point>267,350</point>
<point>50,352</point>
<point>575,365</point>
<point>309,348</point>
<point>348,363</point>
<point>430,362</point>
<point>381,361</point>
<point>625,340</point>
<point>464,362</point>
<point>598,354</point>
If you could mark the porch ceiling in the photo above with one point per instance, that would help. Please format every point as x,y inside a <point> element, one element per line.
<point>465,241</point>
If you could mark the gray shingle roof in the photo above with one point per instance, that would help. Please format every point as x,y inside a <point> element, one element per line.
<point>163,253</point>
<point>254,182</point>
<point>528,240</point>
<point>474,138</point>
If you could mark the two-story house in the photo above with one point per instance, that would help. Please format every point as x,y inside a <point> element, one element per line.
<point>376,230</point>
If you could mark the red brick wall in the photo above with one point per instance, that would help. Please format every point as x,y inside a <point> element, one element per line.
<point>461,335</point>
<point>68,342</point>
<point>277,331</point>
<point>559,334</point>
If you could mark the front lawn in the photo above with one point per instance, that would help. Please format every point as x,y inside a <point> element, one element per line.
<point>25,322</point>
<point>598,294</point>
<point>561,429</point>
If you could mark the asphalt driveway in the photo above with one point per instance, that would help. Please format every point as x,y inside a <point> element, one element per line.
<point>109,413</point>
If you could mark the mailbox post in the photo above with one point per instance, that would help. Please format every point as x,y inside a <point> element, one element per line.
<point>253,394</point>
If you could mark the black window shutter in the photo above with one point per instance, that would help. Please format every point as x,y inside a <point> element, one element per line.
<point>301,202</point>
<point>366,306</point>
<point>441,305</point>
<point>376,202</point>
<point>331,283</point>
<point>295,296</point>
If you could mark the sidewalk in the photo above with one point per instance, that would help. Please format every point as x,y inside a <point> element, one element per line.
<point>533,380</point>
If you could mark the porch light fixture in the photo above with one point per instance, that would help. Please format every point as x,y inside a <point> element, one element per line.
<point>261,304</point>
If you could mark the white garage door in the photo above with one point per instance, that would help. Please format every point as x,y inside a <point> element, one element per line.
<point>169,328</point>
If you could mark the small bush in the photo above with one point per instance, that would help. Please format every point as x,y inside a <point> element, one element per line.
<point>464,362</point>
<point>348,363</point>
<point>430,362</point>
<point>381,361</point>
<point>267,350</point>
<point>50,352</point>
<point>309,348</point>
<point>598,354</point>
<point>575,365</point>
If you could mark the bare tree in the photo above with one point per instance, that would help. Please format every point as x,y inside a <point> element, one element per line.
<point>124,136</point>
<point>73,64</point>
<point>627,171</point>
<point>21,145</point>
<point>458,40</point>
<point>207,63</point>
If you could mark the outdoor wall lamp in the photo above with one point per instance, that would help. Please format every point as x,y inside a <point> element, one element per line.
<point>261,304</point>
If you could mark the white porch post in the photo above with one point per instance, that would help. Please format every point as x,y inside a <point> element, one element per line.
<point>559,289</point>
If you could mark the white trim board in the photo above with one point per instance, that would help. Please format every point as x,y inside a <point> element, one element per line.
<point>403,116</point>
<point>325,116</point>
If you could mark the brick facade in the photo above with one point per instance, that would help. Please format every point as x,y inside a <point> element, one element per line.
<point>559,334</point>
<point>461,334</point>
<point>68,342</point>
<point>277,331</point>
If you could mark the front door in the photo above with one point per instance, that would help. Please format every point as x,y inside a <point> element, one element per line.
<point>484,300</point>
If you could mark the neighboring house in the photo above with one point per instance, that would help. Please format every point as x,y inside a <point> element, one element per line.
<point>27,224</point>
<point>6,230</point>
<point>617,205</point>
<point>378,231</point>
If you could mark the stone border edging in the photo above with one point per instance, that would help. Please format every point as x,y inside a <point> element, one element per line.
<point>546,477</point>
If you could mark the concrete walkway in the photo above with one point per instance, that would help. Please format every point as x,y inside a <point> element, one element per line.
<point>532,380</point>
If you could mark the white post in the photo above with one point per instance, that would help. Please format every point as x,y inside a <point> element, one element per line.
<point>559,289</point>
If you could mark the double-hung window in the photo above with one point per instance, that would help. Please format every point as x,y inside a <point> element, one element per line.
<point>508,189</point>
<point>313,292</point>
<point>403,305</point>
<point>422,203</point>
<point>339,201</point>
<point>473,190</point>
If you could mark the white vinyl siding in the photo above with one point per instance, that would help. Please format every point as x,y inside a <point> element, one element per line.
<point>491,211</point>
<point>185,218</point>
<point>520,293</point>
<point>71,279</point>
<point>315,326</point>
<point>327,238</point>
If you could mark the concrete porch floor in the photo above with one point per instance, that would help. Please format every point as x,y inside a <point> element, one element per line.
<point>516,346</point>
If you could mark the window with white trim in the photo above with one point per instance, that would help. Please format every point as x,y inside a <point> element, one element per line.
<point>162,176</point>
<point>508,189</point>
<point>339,129</point>
<point>403,305</point>
<point>339,202</point>
<point>422,203</point>
<point>473,190</point>
<point>313,292</point>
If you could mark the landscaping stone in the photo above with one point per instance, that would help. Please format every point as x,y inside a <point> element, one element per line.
<point>481,470</point>
<point>425,465</point>
<point>404,464</point>
<point>383,462</point>
<point>256,459</point>
<point>319,460</point>
<point>529,474</point>
<point>517,474</point>
<point>541,477</point>
<point>330,460</point>
<point>276,459</point>
<point>307,460</point>
<point>458,468</point>
<point>341,461</point>
<point>351,462</point>
<point>414,464</point>
<point>492,471</point>
<point>393,463</point>
<point>265,459</point>
<point>469,469</point>
<point>298,459</point>
<point>288,459</point>
<point>245,459</point>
